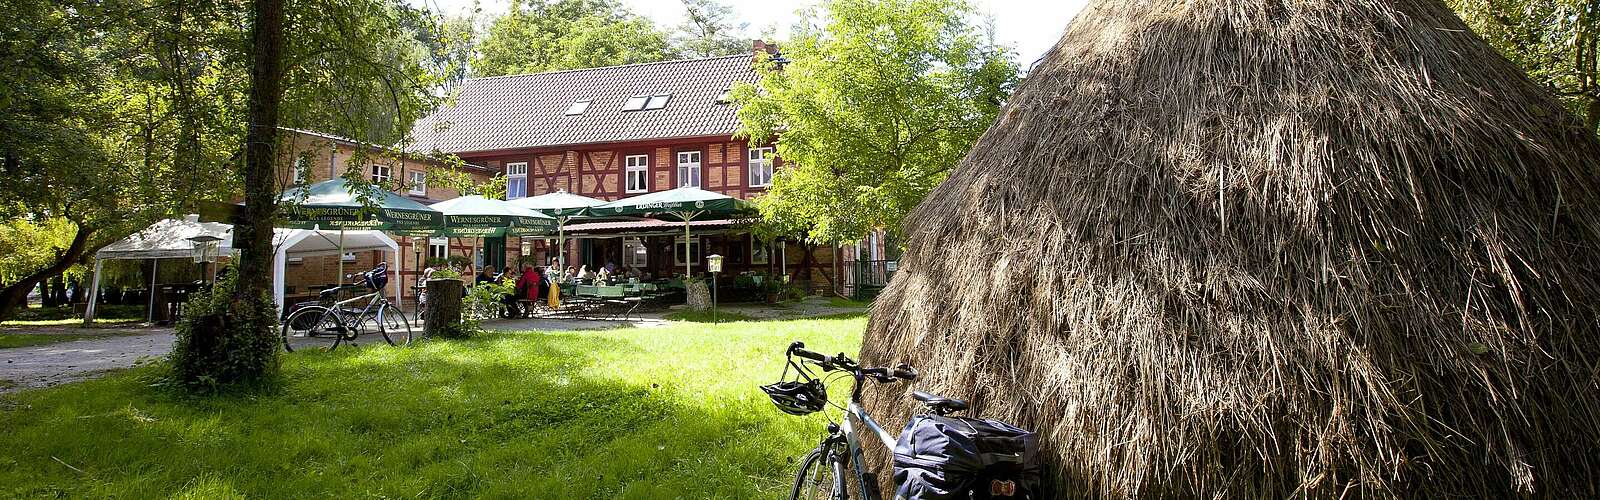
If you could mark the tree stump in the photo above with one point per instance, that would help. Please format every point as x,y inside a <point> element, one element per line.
<point>444,309</point>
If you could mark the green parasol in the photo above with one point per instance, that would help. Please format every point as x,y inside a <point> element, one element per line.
<point>564,207</point>
<point>476,216</point>
<point>334,203</point>
<point>479,217</point>
<point>681,204</point>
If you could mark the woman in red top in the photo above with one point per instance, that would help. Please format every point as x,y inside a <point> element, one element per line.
<point>529,283</point>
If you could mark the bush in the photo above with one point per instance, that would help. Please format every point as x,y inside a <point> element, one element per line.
<point>224,340</point>
<point>459,261</point>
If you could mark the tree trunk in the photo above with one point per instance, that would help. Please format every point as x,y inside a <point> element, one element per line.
<point>14,294</point>
<point>78,296</point>
<point>443,313</point>
<point>253,232</point>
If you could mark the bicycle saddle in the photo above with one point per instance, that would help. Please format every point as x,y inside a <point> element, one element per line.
<point>939,404</point>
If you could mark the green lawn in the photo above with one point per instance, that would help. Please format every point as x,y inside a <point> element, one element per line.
<point>666,412</point>
<point>64,316</point>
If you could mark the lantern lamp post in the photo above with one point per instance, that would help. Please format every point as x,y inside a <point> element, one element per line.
<point>204,249</point>
<point>714,264</point>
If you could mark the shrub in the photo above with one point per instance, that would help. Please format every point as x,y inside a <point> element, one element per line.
<point>225,340</point>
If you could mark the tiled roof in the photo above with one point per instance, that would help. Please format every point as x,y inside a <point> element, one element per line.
<point>524,111</point>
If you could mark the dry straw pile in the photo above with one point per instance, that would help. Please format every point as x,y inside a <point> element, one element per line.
<point>1268,248</point>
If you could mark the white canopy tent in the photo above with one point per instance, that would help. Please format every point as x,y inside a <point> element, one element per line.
<point>170,239</point>
<point>312,242</point>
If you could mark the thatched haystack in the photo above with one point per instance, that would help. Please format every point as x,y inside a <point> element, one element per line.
<point>1269,248</point>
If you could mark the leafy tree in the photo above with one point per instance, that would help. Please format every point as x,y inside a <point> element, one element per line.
<point>539,35</point>
<point>1557,42</point>
<point>708,30</point>
<point>877,101</point>
<point>108,89</point>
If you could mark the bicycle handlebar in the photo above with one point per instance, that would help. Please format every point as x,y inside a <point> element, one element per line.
<point>842,362</point>
<point>799,349</point>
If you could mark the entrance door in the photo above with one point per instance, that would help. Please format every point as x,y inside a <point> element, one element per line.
<point>494,252</point>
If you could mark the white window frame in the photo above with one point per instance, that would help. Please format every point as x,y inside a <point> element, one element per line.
<point>635,254</point>
<point>760,158</point>
<point>517,172</point>
<point>635,103</point>
<point>658,101</point>
<point>439,247</point>
<point>419,183</point>
<point>381,173</point>
<point>678,253</point>
<point>687,167</point>
<point>636,173</point>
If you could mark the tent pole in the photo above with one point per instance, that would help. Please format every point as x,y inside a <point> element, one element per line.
<point>688,251</point>
<point>340,279</point>
<point>561,245</point>
<point>94,294</point>
<point>150,313</point>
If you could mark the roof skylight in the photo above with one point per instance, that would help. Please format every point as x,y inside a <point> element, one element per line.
<point>577,108</point>
<point>658,101</point>
<point>635,103</point>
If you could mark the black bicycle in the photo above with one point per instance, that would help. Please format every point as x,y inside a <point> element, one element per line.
<point>332,321</point>
<point>823,471</point>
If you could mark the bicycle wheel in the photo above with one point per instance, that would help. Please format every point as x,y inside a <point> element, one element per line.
<point>393,325</point>
<point>314,327</point>
<point>818,478</point>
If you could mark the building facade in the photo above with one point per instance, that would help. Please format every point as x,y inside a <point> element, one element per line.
<point>606,133</point>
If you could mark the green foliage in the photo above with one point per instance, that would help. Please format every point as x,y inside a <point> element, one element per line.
<point>27,245</point>
<point>541,35</point>
<point>459,261</point>
<point>1557,42</point>
<point>437,262</point>
<point>225,338</point>
<point>453,177</point>
<point>662,412</point>
<point>880,100</point>
<point>483,302</point>
<point>446,274</point>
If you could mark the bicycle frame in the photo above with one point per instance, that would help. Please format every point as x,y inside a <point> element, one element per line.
<point>373,299</point>
<point>853,414</point>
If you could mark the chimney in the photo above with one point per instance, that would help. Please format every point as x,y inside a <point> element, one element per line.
<point>762,47</point>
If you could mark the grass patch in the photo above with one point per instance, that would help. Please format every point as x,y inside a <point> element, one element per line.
<point>10,340</point>
<point>722,316</point>
<point>64,316</point>
<point>666,412</point>
<point>843,302</point>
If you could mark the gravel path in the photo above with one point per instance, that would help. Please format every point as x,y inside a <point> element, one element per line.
<point>52,364</point>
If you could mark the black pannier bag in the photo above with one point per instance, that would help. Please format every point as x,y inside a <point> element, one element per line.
<point>940,457</point>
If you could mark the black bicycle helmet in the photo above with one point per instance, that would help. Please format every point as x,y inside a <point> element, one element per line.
<point>798,398</point>
<point>378,277</point>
